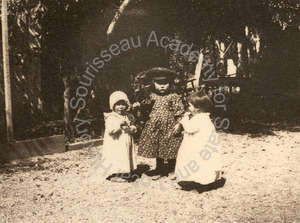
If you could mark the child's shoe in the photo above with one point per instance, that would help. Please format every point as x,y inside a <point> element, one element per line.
<point>156,177</point>
<point>157,173</point>
<point>172,176</point>
<point>219,175</point>
<point>118,180</point>
<point>154,174</point>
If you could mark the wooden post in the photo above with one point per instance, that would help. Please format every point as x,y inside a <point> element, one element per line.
<point>240,60</point>
<point>198,70</point>
<point>221,59</point>
<point>6,72</point>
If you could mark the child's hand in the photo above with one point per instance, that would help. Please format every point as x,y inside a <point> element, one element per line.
<point>124,125</point>
<point>187,114</point>
<point>177,129</point>
<point>132,129</point>
<point>136,105</point>
<point>125,128</point>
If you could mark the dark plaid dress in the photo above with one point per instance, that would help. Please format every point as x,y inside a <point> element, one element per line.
<point>157,139</point>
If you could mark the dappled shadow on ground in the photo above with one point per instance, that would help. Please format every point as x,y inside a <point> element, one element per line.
<point>251,127</point>
<point>40,164</point>
<point>25,165</point>
<point>258,128</point>
<point>259,115</point>
<point>191,185</point>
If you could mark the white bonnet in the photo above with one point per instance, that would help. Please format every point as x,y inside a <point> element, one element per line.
<point>118,96</point>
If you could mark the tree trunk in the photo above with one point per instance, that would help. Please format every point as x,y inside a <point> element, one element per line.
<point>68,127</point>
<point>6,72</point>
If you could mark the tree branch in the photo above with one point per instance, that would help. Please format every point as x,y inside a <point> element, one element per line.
<point>115,19</point>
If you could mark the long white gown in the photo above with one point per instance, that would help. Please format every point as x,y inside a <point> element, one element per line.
<point>118,146</point>
<point>191,165</point>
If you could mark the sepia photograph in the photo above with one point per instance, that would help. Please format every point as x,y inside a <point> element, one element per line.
<point>164,111</point>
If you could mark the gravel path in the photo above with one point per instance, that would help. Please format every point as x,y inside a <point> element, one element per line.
<point>262,185</point>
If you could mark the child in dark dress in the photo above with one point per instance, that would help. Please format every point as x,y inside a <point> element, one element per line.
<point>159,138</point>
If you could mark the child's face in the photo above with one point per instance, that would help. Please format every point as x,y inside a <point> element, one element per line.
<point>161,87</point>
<point>191,107</point>
<point>120,107</point>
<point>193,110</point>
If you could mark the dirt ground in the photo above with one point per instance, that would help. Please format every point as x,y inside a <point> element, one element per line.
<point>261,184</point>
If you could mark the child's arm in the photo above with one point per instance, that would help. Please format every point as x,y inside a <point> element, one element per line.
<point>179,108</point>
<point>190,126</point>
<point>132,127</point>
<point>177,129</point>
<point>113,124</point>
<point>143,109</point>
<point>178,114</point>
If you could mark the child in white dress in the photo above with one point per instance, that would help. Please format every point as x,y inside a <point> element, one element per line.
<point>118,145</point>
<point>199,157</point>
